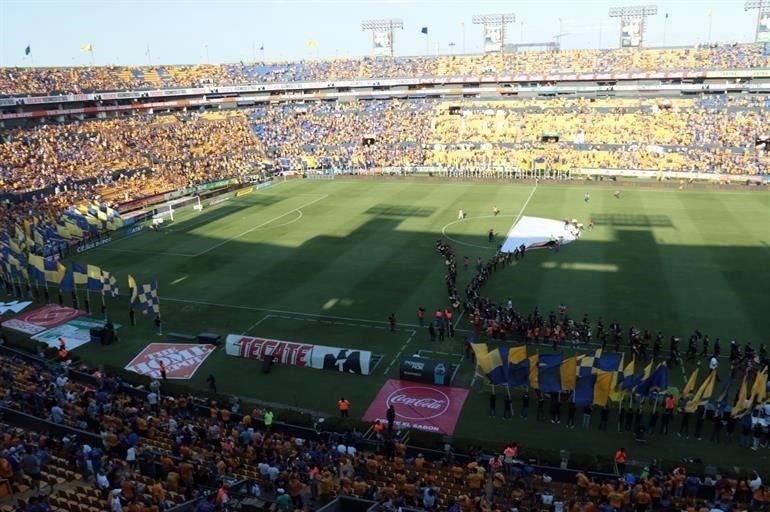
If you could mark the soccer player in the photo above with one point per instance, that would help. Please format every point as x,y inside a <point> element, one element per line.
<point>495,211</point>
<point>491,236</point>
<point>460,214</point>
<point>586,197</point>
<point>617,194</point>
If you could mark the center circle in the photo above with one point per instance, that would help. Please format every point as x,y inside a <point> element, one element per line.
<point>469,220</point>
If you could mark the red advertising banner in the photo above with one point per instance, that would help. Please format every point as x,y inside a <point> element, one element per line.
<point>182,360</point>
<point>420,406</point>
<point>285,352</point>
<point>38,320</point>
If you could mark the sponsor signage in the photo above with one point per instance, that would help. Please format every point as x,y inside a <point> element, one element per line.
<point>75,333</point>
<point>85,246</point>
<point>419,406</point>
<point>264,185</point>
<point>38,320</point>
<point>182,360</point>
<point>337,359</point>
<point>245,191</point>
<point>13,307</point>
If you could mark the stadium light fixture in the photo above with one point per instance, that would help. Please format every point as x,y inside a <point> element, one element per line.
<point>762,32</point>
<point>380,26</point>
<point>630,16</point>
<point>496,22</point>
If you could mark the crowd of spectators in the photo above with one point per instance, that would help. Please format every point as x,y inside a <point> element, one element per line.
<point>651,134</point>
<point>26,81</point>
<point>120,159</point>
<point>157,449</point>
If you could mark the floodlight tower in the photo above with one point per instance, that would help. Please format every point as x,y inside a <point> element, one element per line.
<point>380,27</point>
<point>493,22</point>
<point>763,11</point>
<point>630,16</point>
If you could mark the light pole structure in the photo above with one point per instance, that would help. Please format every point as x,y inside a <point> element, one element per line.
<point>630,16</point>
<point>378,27</point>
<point>494,22</point>
<point>762,33</point>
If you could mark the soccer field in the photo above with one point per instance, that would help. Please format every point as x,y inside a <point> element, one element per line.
<point>326,262</point>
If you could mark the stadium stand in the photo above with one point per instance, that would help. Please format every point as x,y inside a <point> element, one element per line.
<point>158,449</point>
<point>26,81</point>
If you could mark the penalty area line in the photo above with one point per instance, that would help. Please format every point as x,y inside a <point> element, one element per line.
<point>403,347</point>
<point>250,230</point>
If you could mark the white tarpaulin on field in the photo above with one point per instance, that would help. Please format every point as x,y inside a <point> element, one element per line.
<point>537,232</point>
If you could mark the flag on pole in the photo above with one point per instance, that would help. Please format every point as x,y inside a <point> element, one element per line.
<point>313,43</point>
<point>740,409</point>
<point>690,386</point>
<point>87,48</point>
<point>703,394</point>
<point>67,283</point>
<point>133,290</point>
<point>79,274</point>
<point>27,50</point>
<point>709,13</point>
<point>109,285</point>
<point>424,30</point>
<point>148,298</point>
<point>94,277</point>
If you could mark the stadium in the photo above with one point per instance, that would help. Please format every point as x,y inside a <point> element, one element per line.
<point>527,277</point>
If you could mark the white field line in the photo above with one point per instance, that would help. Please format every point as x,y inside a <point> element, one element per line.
<point>250,230</point>
<point>292,313</point>
<point>149,253</point>
<point>525,204</point>
<point>403,347</point>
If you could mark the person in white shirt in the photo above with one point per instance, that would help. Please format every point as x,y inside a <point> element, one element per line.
<point>131,457</point>
<point>117,506</point>
<point>101,481</point>
<point>713,363</point>
<point>755,482</point>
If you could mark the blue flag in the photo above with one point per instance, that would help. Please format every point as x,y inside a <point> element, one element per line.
<point>27,50</point>
<point>67,284</point>
<point>549,368</point>
<point>584,390</point>
<point>608,362</point>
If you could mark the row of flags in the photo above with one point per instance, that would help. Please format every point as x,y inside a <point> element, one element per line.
<point>594,379</point>
<point>34,268</point>
<point>600,378</point>
<point>35,233</point>
<point>88,47</point>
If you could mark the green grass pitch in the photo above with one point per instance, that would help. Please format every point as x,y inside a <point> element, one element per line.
<point>327,262</point>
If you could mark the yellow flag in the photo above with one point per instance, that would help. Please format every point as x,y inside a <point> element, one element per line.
<point>602,388</point>
<point>690,386</point>
<point>313,43</point>
<point>703,394</point>
<point>709,13</point>
<point>87,48</point>
<point>568,371</point>
<point>133,288</point>
<point>534,371</point>
<point>740,403</point>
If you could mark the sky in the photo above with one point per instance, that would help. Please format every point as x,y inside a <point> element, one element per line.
<point>141,32</point>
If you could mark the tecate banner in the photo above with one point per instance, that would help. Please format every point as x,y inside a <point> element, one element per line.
<point>343,360</point>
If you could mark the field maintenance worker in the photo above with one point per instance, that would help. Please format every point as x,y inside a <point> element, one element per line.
<point>343,405</point>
